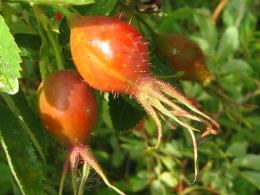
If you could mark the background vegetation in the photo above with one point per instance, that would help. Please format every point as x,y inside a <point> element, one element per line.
<point>34,41</point>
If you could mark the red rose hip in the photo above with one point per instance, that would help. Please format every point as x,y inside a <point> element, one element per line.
<point>68,110</point>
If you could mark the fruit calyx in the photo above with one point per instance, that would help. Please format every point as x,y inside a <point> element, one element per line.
<point>79,154</point>
<point>157,99</point>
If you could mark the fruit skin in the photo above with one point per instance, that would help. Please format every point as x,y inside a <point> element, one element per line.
<point>109,53</point>
<point>184,55</point>
<point>67,107</point>
<point>112,56</point>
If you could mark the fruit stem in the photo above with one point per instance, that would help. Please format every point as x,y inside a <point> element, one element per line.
<point>220,7</point>
<point>46,29</point>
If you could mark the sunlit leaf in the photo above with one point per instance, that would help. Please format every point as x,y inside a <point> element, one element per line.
<point>9,60</point>
<point>229,42</point>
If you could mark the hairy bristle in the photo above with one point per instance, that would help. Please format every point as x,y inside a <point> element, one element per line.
<point>83,153</point>
<point>161,99</point>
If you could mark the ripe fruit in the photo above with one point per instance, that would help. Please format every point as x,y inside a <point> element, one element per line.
<point>67,107</point>
<point>112,56</point>
<point>184,55</point>
<point>68,110</point>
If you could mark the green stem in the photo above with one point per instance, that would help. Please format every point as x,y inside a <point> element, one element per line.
<point>45,23</point>
<point>43,71</point>
<point>44,61</point>
<point>56,49</point>
<point>10,103</point>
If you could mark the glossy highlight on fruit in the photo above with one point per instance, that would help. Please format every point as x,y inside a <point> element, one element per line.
<point>109,53</point>
<point>67,107</point>
<point>112,56</point>
<point>184,55</point>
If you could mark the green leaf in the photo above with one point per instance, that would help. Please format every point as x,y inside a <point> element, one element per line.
<point>229,43</point>
<point>124,116</point>
<point>168,162</point>
<point>236,66</point>
<point>5,179</point>
<point>61,2</point>
<point>253,177</point>
<point>168,179</point>
<point>138,184</point>
<point>32,122</point>
<point>237,149</point>
<point>20,154</point>
<point>9,60</point>
<point>101,7</point>
<point>234,12</point>
<point>207,28</point>
<point>250,161</point>
<point>158,188</point>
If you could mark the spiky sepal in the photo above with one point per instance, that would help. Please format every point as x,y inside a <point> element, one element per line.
<point>81,154</point>
<point>161,100</point>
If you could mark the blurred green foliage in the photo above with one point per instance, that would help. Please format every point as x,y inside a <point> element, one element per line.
<point>229,162</point>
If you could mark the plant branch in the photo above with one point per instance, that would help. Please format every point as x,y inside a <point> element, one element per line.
<point>220,7</point>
